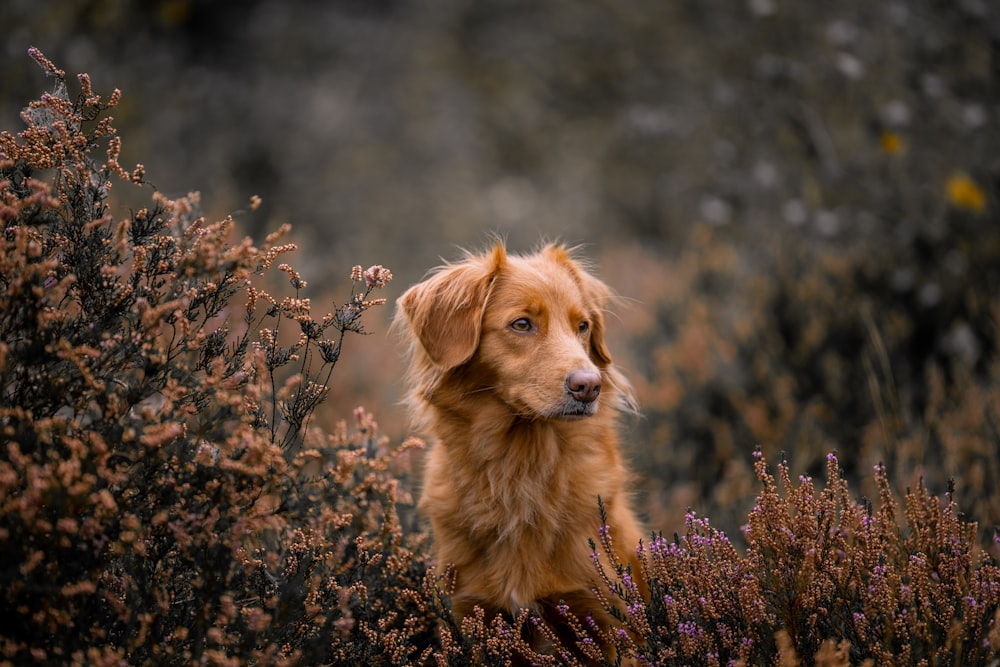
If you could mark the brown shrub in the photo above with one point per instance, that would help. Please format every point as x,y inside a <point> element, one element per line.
<point>823,575</point>
<point>164,499</point>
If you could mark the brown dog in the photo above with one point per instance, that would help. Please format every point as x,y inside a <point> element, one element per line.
<point>511,377</point>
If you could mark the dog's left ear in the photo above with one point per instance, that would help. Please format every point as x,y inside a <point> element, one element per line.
<point>445,312</point>
<point>597,296</point>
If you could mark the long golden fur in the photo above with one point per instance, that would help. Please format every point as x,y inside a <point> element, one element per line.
<point>511,378</point>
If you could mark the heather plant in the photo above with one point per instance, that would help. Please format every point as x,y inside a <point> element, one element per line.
<point>163,497</point>
<point>166,496</point>
<point>822,353</point>
<point>824,579</point>
<point>839,288</point>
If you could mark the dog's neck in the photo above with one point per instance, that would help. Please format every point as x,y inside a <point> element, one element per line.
<point>524,469</point>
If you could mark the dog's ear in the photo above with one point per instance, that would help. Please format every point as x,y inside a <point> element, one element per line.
<point>599,295</point>
<point>596,294</point>
<point>445,312</point>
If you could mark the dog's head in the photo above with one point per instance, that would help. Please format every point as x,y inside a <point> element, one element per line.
<point>528,329</point>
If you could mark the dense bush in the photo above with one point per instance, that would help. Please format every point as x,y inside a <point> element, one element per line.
<point>823,575</point>
<point>773,167</point>
<point>164,498</point>
<point>831,275</point>
<point>813,349</point>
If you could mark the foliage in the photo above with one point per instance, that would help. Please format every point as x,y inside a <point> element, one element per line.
<point>823,575</point>
<point>165,497</point>
<point>817,265</point>
<point>801,197</point>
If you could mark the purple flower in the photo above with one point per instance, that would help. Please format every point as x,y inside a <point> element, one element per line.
<point>689,628</point>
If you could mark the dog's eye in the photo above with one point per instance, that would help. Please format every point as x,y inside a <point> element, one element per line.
<point>522,324</point>
<point>584,326</point>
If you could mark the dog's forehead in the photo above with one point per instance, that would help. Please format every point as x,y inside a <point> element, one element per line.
<point>538,279</point>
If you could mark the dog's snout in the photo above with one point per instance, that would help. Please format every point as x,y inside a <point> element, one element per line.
<point>584,386</point>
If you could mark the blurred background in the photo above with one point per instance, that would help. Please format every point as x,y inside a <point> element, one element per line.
<point>797,201</point>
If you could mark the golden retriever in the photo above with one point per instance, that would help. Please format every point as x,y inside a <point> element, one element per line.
<point>511,378</point>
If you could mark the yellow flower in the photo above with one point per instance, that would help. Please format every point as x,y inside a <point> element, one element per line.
<point>891,143</point>
<point>964,193</point>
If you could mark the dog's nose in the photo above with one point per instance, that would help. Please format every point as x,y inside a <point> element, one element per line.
<point>584,386</point>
